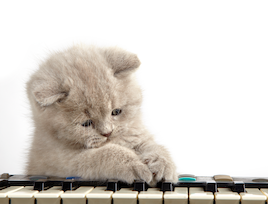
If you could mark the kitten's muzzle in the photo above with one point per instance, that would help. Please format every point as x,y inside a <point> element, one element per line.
<point>106,134</point>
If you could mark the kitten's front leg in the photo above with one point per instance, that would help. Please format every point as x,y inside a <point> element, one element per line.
<point>158,161</point>
<point>112,162</point>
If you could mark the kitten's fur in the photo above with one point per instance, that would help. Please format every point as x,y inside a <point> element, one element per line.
<point>88,83</point>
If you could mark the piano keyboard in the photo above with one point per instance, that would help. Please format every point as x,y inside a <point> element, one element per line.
<point>19,189</point>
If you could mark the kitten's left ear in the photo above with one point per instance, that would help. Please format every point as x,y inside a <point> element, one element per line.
<point>47,94</point>
<point>123,62</point>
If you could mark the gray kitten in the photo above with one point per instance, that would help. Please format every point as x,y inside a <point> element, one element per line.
<point>86,111</point>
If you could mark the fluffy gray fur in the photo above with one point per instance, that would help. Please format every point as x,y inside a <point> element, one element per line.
<point>87,83</point>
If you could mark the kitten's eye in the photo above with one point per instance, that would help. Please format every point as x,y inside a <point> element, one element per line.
<point>87,123</point>
<point>116,111</point>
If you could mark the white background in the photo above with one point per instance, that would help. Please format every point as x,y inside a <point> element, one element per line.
<point>204,73</point>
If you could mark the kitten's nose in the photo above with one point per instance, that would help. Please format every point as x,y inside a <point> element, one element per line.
<point>106,134</point>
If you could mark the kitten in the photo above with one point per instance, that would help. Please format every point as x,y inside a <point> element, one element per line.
<point>86,110</point>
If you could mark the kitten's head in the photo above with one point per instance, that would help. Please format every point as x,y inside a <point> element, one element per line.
<point>85,95</point>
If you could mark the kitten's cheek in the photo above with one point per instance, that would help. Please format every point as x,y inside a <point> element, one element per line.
<point>115,118</point>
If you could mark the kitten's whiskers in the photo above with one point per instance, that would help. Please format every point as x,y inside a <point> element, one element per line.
<point>73,122</point>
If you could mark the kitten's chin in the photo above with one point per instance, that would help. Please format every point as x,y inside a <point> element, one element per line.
<point>95,142</point>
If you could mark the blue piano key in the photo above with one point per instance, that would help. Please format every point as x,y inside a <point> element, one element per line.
<point>187,179</point>
<point>73,177</point>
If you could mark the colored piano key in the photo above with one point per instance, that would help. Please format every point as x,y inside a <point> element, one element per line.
<point>260,180</point>
<point>223,178</point>
<point>73,178</point>
<point>4,176</point>
<point>187,177</point>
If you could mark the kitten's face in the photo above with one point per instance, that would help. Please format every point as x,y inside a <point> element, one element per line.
<point>90,104</point>
<point>93,116</point>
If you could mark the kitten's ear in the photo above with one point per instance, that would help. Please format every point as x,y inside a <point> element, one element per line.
<point>123,63</point>
<point>46,94</point>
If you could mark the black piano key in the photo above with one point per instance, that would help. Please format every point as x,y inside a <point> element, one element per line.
<point>238,187</point>
<point>139,185</point>
<point>211,186</point>
<point>166,186</point>
<point>69,185</point>
<point>39,186</point>
<point>42,184</point>
<point>3,183</point>
<point>112,185</point>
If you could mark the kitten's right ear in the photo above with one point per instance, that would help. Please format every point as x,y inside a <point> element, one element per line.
<point>47,94</point>
<point>121,61</point>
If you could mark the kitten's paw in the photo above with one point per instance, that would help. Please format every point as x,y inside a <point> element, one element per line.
<point>142,172</point>
<point>135,171</point>
<point>161,168</point>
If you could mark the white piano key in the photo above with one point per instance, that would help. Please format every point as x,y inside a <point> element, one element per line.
<point>77,196</point>
<point>265,192</point>
<point>49,196</point>
<point>199,196</point>
<point>125,195</point>
<point>253,196</point>
<point>99,195</point>
<point>178,196</point>
<point>23,196</point>
<point>226,196</point>
<point>6,191</point>
<point>151,196</point>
